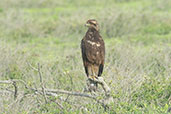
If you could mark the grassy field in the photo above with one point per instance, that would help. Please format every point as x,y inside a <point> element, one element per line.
<point>137,35</point>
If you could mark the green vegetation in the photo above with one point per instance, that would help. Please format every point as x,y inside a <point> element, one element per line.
<point>137,35</point>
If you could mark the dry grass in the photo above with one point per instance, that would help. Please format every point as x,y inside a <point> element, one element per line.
<point>138,54</point>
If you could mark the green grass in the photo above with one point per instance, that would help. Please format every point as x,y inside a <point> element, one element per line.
<point>137,35</point>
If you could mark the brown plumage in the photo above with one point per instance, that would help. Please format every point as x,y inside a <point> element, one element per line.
<point>93,50</point>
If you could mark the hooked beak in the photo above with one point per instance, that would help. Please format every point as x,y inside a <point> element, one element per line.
<point>87,25</point>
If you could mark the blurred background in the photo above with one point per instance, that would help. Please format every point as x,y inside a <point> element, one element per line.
<point>137,35</point>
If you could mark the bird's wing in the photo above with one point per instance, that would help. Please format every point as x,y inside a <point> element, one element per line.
<point>102,55</point>
<point>93,53</point>
<point>83,50</point>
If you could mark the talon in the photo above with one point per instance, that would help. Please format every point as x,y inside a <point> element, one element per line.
<point>93,77</point>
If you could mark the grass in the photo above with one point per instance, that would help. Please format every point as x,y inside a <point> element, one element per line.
<point>137,35</point>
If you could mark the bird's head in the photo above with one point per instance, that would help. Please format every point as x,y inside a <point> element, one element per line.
<point>92,24</point>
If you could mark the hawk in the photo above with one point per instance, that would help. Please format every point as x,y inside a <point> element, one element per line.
<point>93,52</point>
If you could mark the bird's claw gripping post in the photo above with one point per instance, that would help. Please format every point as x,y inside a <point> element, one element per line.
<point>93,77</point>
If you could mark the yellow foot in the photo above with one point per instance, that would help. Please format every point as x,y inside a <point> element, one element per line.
<point>93,77</point>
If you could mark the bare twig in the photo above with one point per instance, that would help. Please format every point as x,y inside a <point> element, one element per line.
<point>15,89</point>
<point>54,92</point>
<point>108,99</point>
<point>13,82</point>
<point>72,85</point>
<point>21,81</point>
<point>67,98</point>
<point>69,93</point>
<point>6,82</point>
<point>60,105</point>
<point>32,66</point>
<point>41,82</point>
<point>75,94</point>
<point>101,81</point>
<point>6,92</point>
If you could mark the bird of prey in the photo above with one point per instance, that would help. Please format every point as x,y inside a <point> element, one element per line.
<point>93,51</point>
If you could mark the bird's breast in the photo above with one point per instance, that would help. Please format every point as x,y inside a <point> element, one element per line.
<point>93,43</point>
